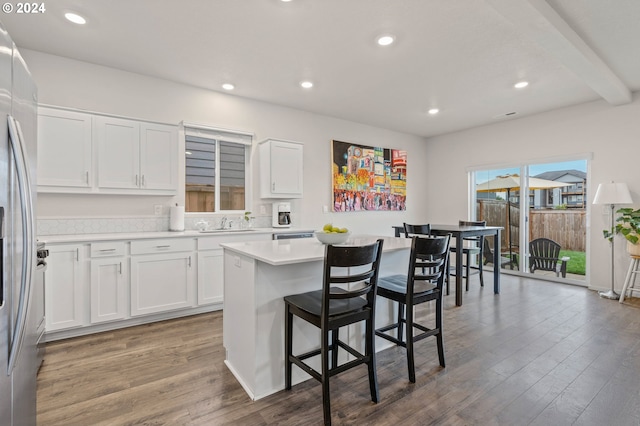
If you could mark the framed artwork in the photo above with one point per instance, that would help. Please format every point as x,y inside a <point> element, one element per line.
<point>368,178</point>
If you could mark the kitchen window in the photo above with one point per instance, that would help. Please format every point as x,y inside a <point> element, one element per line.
<point>216,169</point>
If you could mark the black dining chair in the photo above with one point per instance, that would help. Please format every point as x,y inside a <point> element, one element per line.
<point>472,246</point>
<point>423,283</point>
<point>332,307</point>
<point>411,230</point>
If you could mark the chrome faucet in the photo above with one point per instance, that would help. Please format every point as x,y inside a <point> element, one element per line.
<point>223,222</point>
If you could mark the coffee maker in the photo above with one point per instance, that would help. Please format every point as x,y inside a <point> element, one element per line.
<point>281,215</point>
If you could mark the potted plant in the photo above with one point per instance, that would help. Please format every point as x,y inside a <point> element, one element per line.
<point>629,226</point>
<point>248,220</point>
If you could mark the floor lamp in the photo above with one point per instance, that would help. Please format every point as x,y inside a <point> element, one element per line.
<point>612,194</point>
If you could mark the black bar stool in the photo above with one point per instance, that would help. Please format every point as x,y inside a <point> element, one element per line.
<point>335,307</point>
<point>423,283</point>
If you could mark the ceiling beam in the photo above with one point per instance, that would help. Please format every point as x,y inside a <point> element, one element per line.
<point>541,23</point>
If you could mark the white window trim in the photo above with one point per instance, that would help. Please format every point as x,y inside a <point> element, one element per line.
<point>218,133</point>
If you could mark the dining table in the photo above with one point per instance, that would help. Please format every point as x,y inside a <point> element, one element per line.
<point>459,233</point>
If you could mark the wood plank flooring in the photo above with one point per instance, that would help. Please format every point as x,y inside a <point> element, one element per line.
<point>537,354</point>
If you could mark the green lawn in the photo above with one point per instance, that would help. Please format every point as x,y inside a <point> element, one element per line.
<point>575,265</point>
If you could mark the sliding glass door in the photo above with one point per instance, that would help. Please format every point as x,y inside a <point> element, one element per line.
<point>497,203</point>
<point>541,207</point>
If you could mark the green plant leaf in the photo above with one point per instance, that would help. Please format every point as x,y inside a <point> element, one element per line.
<point>628,224</point>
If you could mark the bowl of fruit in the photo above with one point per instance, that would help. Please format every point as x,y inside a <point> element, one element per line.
<point>332,235</point>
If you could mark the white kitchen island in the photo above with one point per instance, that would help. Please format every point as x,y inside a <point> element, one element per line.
<point>257,275</point>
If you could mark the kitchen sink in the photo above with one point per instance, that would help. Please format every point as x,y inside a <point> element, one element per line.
<point>214,231</point>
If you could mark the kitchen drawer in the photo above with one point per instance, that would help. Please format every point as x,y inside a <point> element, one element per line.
<point>209,243</point>
<point>118,248</point>
<point>162,246</point>
<point>213,243</point>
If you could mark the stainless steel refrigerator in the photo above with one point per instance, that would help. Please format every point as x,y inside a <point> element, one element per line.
<point>21,301</point>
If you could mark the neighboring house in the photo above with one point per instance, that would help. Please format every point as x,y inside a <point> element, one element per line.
<point>573,196</point>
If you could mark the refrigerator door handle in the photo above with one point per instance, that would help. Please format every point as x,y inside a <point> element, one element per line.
<point>24,185</point>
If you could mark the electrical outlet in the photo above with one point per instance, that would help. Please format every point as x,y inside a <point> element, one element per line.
<point>325,209</point>
<point>157,209</point>
<point>263,210</point>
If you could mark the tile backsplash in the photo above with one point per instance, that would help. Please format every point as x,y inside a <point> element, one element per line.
<point>67,226</point>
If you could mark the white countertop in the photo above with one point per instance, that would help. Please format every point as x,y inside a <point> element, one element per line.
<point>284,252</point>
<point>116,236</point>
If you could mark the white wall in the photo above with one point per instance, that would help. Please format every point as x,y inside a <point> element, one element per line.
<point>610,134</point>
<point>437,189</point>
<point>74,84</point>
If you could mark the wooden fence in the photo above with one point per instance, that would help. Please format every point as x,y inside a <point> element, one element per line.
<point>566,227</point>
<point>201,198</point>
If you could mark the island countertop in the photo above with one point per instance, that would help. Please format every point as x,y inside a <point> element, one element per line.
<point>258,275</point>
<point>286,252</point>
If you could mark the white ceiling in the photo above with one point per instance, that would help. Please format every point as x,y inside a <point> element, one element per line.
<point>461,56</point>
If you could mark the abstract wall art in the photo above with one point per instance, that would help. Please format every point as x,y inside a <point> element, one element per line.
<point>368,178</point>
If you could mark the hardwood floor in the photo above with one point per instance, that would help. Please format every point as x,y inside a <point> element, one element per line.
<point>537,354</point>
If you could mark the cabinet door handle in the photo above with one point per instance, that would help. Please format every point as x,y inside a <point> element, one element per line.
<point>167,246</point>
<point>77,255</point>
<point>189,261</point>
<point>273,186</point>
<point>87,176</point>
<point>120,268</point>
<point>111,249</point>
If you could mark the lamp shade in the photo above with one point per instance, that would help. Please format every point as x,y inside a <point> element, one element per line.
<point>612,193</point>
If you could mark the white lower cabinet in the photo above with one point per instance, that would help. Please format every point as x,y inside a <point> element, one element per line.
<point>102,285</point>
<point>161,282</point>
<point>64,289</point>
<point>109,282</point>
<point>210,276</point>
<point>211,265</point>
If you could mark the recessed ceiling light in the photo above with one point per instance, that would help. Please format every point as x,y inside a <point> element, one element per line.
<point>521,84</point>
<point>228,86</point>
<point>433,111</point>
<point>385,40</point>
<point>75,18</point>
<point>306,84</point>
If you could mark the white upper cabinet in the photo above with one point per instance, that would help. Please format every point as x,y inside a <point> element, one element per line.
<point>64,154</point>
<point>158,156</point>
<point>81,152</point>
<point>281,169</point>
<point>118,152</point>
<point>136,155</point>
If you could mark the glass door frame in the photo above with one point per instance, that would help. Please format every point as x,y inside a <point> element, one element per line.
<point>524,203</point>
